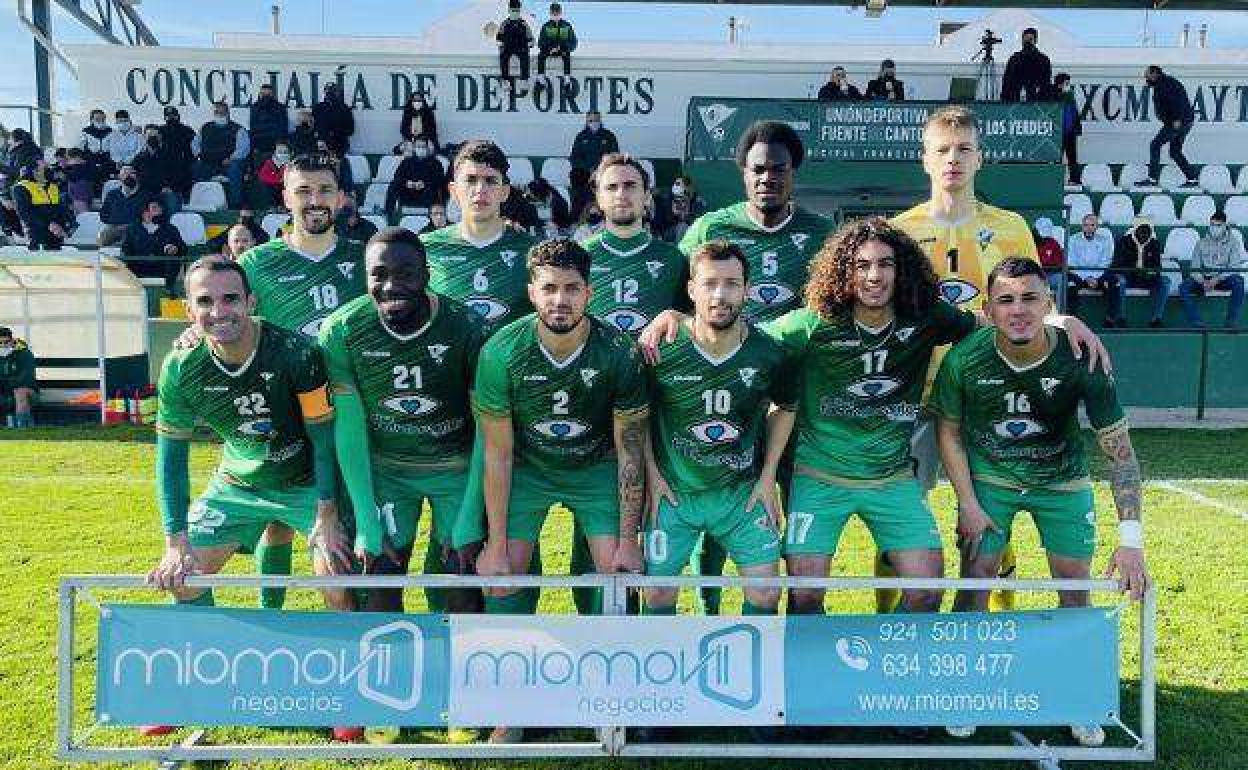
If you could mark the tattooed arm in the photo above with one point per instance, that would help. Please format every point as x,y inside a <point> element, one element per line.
<point>630,431</point>
<point>1125,483</point>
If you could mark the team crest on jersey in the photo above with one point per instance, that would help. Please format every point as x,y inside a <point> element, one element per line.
<point>410,405</point>
<point>984,236</point>
<point>654,268</point>
<point>715,432</point>
<point>346,268</point>
<point>588,375</point>
<point>770,293</point>
<point>266,376</point>
<point>873,387</point>
<point>260,428</point>
<point>1017,428</point>
<point>486,307</point>
<point>561,428</point>
<point>955,291</point>
<point>625,319</point>
<point>508,257</point>
<point>311,328</point>
<point>747,375</point>
<point>437,351</point>
<point>904,334</point>
<point>799,240</point>
<point>1049,384</point>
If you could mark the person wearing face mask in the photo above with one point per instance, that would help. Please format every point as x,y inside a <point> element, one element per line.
<point>1214,261</point>
<point>122,207</point>
<point>176,139</point>
<point>222,148</point>
<point>1027,73</point>
<point>272,170</point>
<point>351,225</point>
<point>156,171</point>
<point>887,88</point>
<point>1063,91</point>
<point>18,388</point>
<point>557,38</point>
<point>514,38</point>
<point>23,151</point>
<point>1137,265</point>
<point>303,138</point>
<point>94,141</point>
<point>838,87</point>
<point>333,120</point>
<point>676,209</point>
<point>268,121</point>
<point>126,141</point>
<point>590,145</point>
<point>153,236</point>
<point>418,180</point>
<point>418,121</point>
<point>45,216</point>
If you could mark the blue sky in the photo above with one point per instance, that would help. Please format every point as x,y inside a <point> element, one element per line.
<point>178,23</point>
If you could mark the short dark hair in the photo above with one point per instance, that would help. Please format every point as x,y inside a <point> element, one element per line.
<point>1031,31</point>
<point>1155,69</point>
<point>719,250</point>
<point>214,264</point>
<point>399,236</point>
<point>771,132</point>
<point>1061,77</point>
<point>562,253</point>
<point>6,333</point>
<point>556,8</point>
<point>1218,216</point>
<point>1015,267</point>
<point>312,162</point>
<point>618,159</point>
<point>481,151</point>
<point>119,114</point>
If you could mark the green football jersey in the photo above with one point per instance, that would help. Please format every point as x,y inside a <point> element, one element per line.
<point>561,411</point>
<point>709,415</point>
<point>298,292</point>
<point>254,409</point>
<point>634,279</point>
<point>490,278</point>
<point>779,257</point>
<point>414,387</point>
<point>861,389</point>
<point>1021,427</point>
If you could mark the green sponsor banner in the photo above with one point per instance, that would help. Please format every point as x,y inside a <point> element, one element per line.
<point>872,131</point>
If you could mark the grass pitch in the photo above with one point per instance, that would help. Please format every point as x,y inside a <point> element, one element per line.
<point>81,501</point>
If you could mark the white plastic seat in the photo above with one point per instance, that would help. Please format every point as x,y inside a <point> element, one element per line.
<point>1172,179</point>
<point>1079,204</point>
<point>1216,178</point>
<point>1180,242</point>
<point>1098,178</point>
<point>1117,209</point>
<point>361,173</point>
<point>88,229</point>
<point>453,214</point>
<point>649,167</point>
<point>520,172</point>
<point>1044,226</point>
<point>414,222</point>
<point>1236,208</point>
<point>1159,207</point>
<point>1197,209</point>
<point>207,196</point>
<point>1130,174</point>
<point>386,168</point>
<point>191,226</point>
<point>556,171</point>
<point>1172,270</point>
<point>1241,181</point>
<point>375,197</point>
<point>273,222</point>
<point>377,220</point>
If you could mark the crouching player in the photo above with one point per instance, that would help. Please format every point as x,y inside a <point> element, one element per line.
<point>1007,398</point>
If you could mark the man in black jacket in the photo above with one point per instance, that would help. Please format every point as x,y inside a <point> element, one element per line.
<point>838,87</point>
<point>557,38</point>
<point>887,87</point>
<point>590,144</point>
<point>417,181</point>
<point>333,120</point>
<point>156,171</point>
<point>514,39</point>
<point>223,147</point>
<point>1028,72</point>
<point>268,124</point>
<point>153,236</point>
<point>23,151</point>
<point>1174,110</point>
<point>176,139</point>
<point>1136,265</point>
<point>122,207</point>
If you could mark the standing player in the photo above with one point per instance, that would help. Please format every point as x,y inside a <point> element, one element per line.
<point>17,380</point>
<point>1008,401</point>
<point>710,475</point>
<point>401,362</point>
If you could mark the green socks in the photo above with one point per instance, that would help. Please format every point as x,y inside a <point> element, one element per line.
<point>748,608</point>
<point>273,560</point>
<point>520,603</point>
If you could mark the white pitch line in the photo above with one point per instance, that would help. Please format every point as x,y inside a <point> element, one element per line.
<point>1192,494</point>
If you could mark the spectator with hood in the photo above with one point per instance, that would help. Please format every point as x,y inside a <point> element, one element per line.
<point>45,215</point>
<point>552,210</point>
<point>887,88</point>
<point>556,38</point>
<point>79,179</point>
<point>333,120</point>
<point>1028,73</point>
<point>223,147</point>
<point>419,121</point>
<point>94,141</point>
<point>1137,265</point>
<point>268,122</point>
<point>153,236</point>
<point>177,140</point>
<point>417,181</point>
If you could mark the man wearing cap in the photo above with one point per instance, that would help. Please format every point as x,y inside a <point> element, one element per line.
<point>887,88</point>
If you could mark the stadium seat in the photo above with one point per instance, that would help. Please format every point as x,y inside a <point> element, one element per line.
<point>207,196</point>
<point>377,220</point>
<point>375,197</point>
<point>386,168</point>
<point>1180,242</point>
<point>520,172</point>
<point>1080,205</point>
<point>1130,174</point>
<point>1172,179</point>
<point>453,213</point>
<point>649,167</point>
<point>1241,181</point>
<point>1173,270</point>
<point>1098,178</point>
<point>1044,226</point>
<point>191,226</point>
<point>556,171</point>
<point>414,222</point>
<point>89,226</point>
<point>273,222</point>
<point>1159,208</point>
<point>1197,209</point>
<point>361,172</point>
<point>1236,208</point>
<point>1116,209</point>
<point>1216,178</point>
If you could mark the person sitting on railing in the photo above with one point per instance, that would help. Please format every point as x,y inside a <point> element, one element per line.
<point>17,380</point>
<point>45,216</point>
<point>154,237</point>
<point>1214,261</point>
<point>1137,262</point>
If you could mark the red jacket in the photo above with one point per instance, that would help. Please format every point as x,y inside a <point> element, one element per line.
<point>1050,251</point>
<point>270,174</point>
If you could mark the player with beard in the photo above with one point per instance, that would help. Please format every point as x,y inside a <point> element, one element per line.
<point>1008,401</point>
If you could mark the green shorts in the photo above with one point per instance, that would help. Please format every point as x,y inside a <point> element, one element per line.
<point>747,536</point>
<point>1066,519</point>
<point>227,514</point>
<point>895,511</point>
<point>591,493</point>
<point>401,498</point>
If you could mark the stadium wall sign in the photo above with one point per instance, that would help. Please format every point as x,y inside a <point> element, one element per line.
<point>215,666</point>
<point>643,101</point>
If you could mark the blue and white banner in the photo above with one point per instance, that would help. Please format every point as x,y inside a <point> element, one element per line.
<point>210,666</point>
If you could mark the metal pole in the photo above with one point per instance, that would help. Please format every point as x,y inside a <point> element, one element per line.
<point>1204,374</point>
<point>101,353</point>
<point>65,670</point>
<point>1148,674</point>
<point>42,19</point>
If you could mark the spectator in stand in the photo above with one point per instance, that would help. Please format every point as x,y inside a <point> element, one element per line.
<point>10,222</point>
<point>156,171</point>
<point>246,219</point>
<point>23,151</point>
<point>887,87</point>
<point>153,236</point>
<point>238,239</point>
<point>18,388</point>
<point>272,172</point>
<point>1137,265</point>
<point>268,123</point>
<point>590,144</point>
<point>1088,256</point>
<point>94,141</point>
<point>303,138</point>
<point>1049,250</point>
<point>557,38</point>
<point>1063,91</point>
<point>79,179</point>
<point>838,88</point>
<point>126,141</point>
<point>590,222</point>
<point>351,225</point>
<point>176,140</point>
<point>674,211</point>
<point>4,155</point>
<point>333,120</point>
<point>1174,110</point>
<point>520,213</point>
<point>418,180</point>
<point>222,148</point>
<point>122,207</point>
<point>552,210</point>
<point>1028,73</point>
<point>46,218</point>
<point>419,122</point>
<point>437,218</point>
<point>514,38</point>
<point>1214,261</point>
<point>346,178</point>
